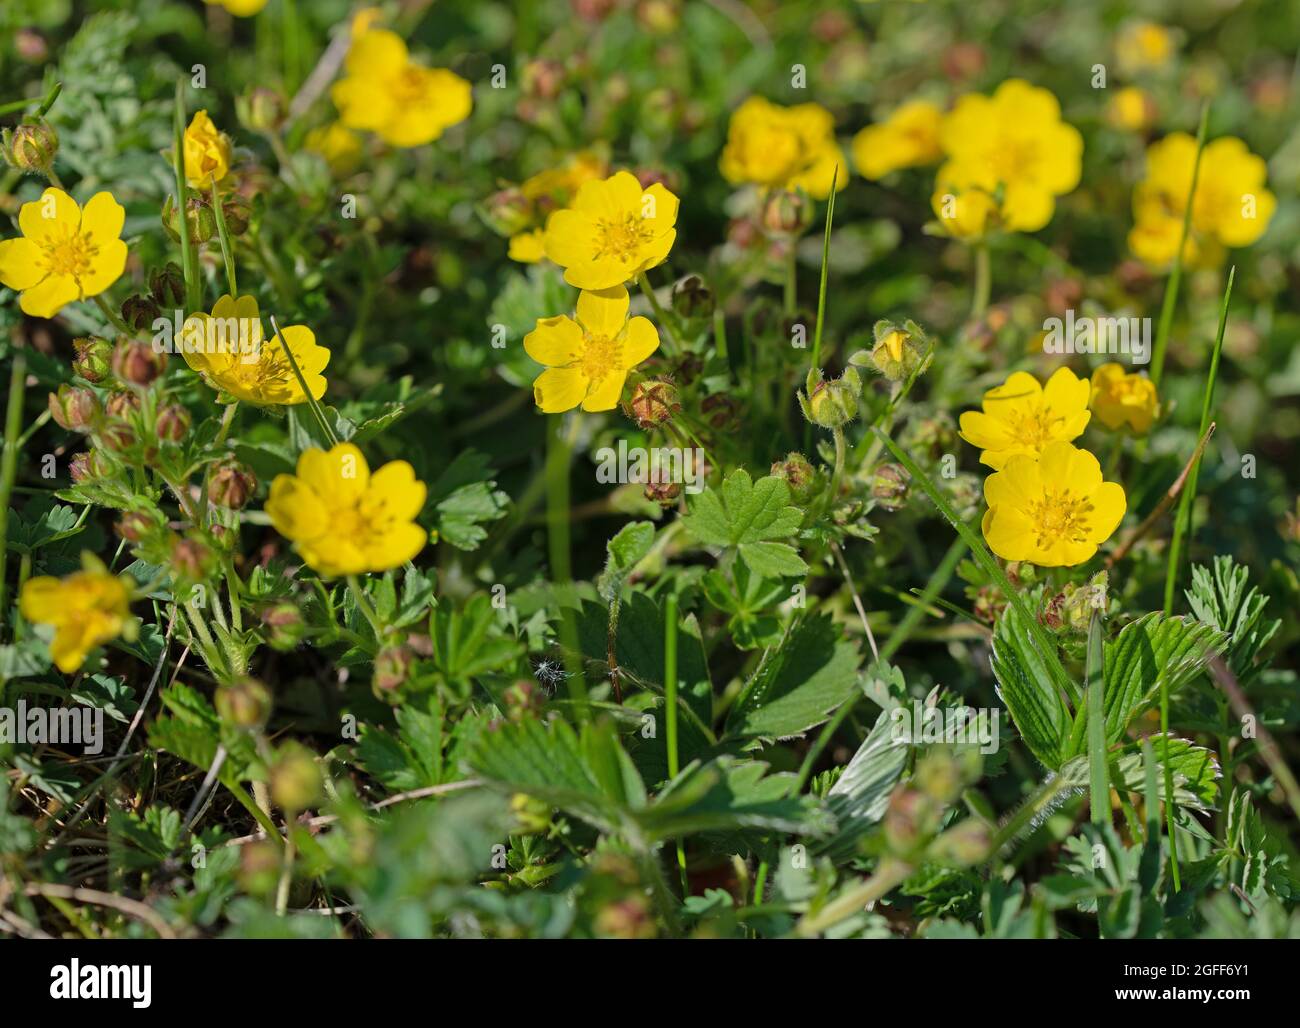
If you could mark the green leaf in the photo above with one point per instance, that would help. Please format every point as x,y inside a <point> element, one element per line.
<point>465,498</point>
<point>1220,599</point>
<point>1195,770</point>
<point>1155,648</point>
<point>799,683</point>
<point>860,795</point>
<point>470,641</point>
<point>1024,684</point>
<point>749,516</point>
<point>624,552</point>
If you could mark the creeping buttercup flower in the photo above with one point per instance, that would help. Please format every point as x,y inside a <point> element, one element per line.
<point>1023,417</point>
<point>783,148</point>
<point>907,138</point>
<point>86,609</point>
<point>587,359</point>
<point>229,350</point>
<point>344,520</point>
<point>613,231</point>
<point>1053,510</point>
<point>1123,399</point>
<point>403,102</point>
<point>66,252</point>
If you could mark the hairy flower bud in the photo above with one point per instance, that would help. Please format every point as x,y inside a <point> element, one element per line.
<point>799,475</point>
<point>31,146</point>
<point>524,700</point>
<point>75,408</point>
<point>831,403</point>
<point>787,212</point>
<point>666,494</point>
<point>238,213</point>
<point>191,559</point>
<point>284,626</point>
<point>897,352</point>
<point>692,298</point>
<point>93,358</point>
<point>173,423</point>
<point>120,404</point>
<point>201,221</point>
<point>245,703</point>
<point>295,778</point>
<point>261,110</point>
<point>232,485</point>
<point>136,363</point>
<point>889,486</point>
<point>653,402</point>
<point>167,285</point>
<point>392,669</point>
<point>508,212</point>
<point>140,312</point>
<point>135,526</point>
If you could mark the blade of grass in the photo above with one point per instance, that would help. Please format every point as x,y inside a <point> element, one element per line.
<point>1176,272</point>
<point>821,288</point>
<point>227,250</point>
<point>8,471</point>
<point>189,259</point>
<point>670,712</point>
<point>312,402</point>
<point>1183,519</point>
<point>557,537</point>
<point>1098,776</point>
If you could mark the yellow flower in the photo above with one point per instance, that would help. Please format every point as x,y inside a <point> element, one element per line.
<point>528,247</point>
<point>1120,397</point>
<point>87,608</point>
<point>1013,151</point>
<point>229,350</point>
<point>1232,207</point>
<point>339,145</point>
<point>1053,510</point>
<point>1131,109</point>
<point>907,138</point>
<point>65,253</point>
<point>613,231</point>
<point>207,152</point>
<point>783,148</point>
<point>385,92</point>
<point>1022,417</point>
<point>587,360</point>
<point>558,185</point>
<point>342,519</point>
<point>1143,45</point>
<point>239,8</point>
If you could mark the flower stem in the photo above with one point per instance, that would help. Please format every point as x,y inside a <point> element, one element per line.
<point>112,316</point>
<point>670,712</point>
<point>363,605</point>
<point>983,281</point>
<point>9,469</point>
<point>557,531</point>
<point>189,259</point>
<point>312,402</point>
<point>660,314</point>
<point>227,250</point>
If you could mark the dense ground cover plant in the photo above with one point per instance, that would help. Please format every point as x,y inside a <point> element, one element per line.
<point>649,469</point>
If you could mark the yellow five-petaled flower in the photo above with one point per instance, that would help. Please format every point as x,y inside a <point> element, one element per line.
<point>86,609</point>
<point>344,520</point>
<point>1123,398</point>
<point>1022,417</point>
<point>613,231</point>
<point>587,360</point>
<point>1053,510</point>
<point>227,348</point>
<point>65,253</point>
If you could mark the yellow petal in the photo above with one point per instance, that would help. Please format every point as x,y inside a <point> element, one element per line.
<point>339,477</point>
<point>55,213</point>
<point>555,341</point>
<point>395,493</point>
<point>603,312</point>
<point>20,263</point>
<point>639,342</point>
<point>102,218</point>
<point>604,395</point>
<point>47,298</point>
<point>559,389</point>
<point>106,268</point>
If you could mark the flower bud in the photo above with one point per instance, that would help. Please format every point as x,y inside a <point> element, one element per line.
<point>897,351</point>
<point>116,436</point>
<point>284,626</point>
<point>262,110</point>
<point>889,486</point>
<point>831,403</point>
<point>245,703</point>
<point>963,845</point>
<point>532,816</point>
<point>392,669</point>
<point>74,408</point>
<point>232,485</point>
<point>653,402</point>
<point>628,918</point>
<point>136,363</point>
<point>692,298</point>
<point>173,423</point>
<point>140,312</point>
<point>201,221</point>
<point>120,404</point>
<point>135,526</point>
<point>665,494</point>
<point>542,79</point>
<point>910,819</point>
<point>508,212</point>
<point>721,412</point>
<point>191,559</point>
<point>799,475</point>
<point>238,213</point>
<point>31,47</point>
<point>167,285</point>
<point>260,864</point>
<point>31,146</point>
<point>93,358</point>
<point>787,212</point>
<point>295,778</point>
<point>89,465</point>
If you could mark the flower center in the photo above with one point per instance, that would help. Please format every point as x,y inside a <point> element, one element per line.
<point>601,356</point>
<point>69,252</point>
<point>1036,427</point>
<point>1060,517</point>
<point>620,238</point>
